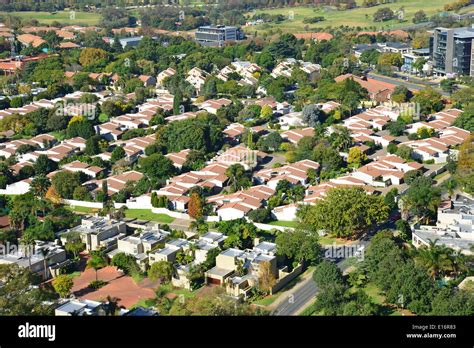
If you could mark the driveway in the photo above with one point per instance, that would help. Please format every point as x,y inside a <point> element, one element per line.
<point>119,285</point>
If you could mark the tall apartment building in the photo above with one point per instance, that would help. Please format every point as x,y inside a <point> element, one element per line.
<point>451,51</point>
<point>216,36</point>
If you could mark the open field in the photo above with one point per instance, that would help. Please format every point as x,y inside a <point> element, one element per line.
<point>359,17</point>
<point>292,224</point>
<point>63,17</point>
<point>147,214</point>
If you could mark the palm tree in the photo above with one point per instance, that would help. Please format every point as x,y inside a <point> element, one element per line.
<point>459,262</point>
<point>194,225</point>
<point>45,252</point>
<point>40,185</point>
<point>111,306</point>
<point>234,173</point>
<point>96,262</point>
<point>341,139</point>
<point>435,258</point>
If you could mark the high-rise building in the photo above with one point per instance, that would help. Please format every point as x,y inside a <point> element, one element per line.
<point>451,51</point>
<point>216,36</point>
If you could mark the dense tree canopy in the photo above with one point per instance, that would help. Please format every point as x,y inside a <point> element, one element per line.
<point>345,212</point>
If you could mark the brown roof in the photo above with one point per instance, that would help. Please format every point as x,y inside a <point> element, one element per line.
<point>315,36</point>
<point>68,45</point>
<point>29,39</point>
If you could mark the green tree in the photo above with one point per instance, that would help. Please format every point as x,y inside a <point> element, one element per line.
<point>40,185</point>
<point>429,100</point>
<point>465,173</point>
<point>238,177</point>
<point>96,262</point>
<point>299,245</point>
<point>92,146</point>
<point>435,259</point>
<point>453,302</point>
<point>117,154</point>
<point>345,212</point>
<point>63,284</point>
<point>422,197</point>
<point>356,157</point>
<point>65,183</point>
<point>157,166</point>
<point>405,152</point>
<point>74,244</point>
<point>161,270</point>
<point>44,165</point>
<point>327,273</point>
<point>125,262</point>
<point>18,294</point>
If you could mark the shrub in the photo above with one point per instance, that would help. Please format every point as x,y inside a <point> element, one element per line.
<point>97,284</point>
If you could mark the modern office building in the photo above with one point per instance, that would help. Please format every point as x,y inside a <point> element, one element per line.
<point>216,36</point>
<point>451,51</point>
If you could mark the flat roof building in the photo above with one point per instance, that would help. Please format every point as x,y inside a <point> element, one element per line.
<point>216,36</point>
<point>451,51</point>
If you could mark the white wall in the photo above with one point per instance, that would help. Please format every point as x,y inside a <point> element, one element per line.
<point>73,202</point>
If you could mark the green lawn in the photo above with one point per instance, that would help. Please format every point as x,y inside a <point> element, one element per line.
<point>63,17</point>
<point>328,240</point>
<point>147,214</point>
<point>374,293</point>
<point>292,224</point>
<point>170,289</point>
<point>86,210</point>
<point>266,301</point>
<point>145,303</point>
<point>359,17</point>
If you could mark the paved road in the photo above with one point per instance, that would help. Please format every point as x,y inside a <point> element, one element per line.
<point>402,82</point>
<point>308,290</point>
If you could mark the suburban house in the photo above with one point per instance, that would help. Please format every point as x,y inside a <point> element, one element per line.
<point>378,91</point>
<point>197,77</point>
<point>430,149</point>
<point>291,119</point>
<point>169,252</point>
<point>237,205</point>
<point>295,173</point>
<point>437,121</point>
<point>139,244</point>
<point>213,105</point>
<point>385,171</point>
<point>285,68</point>
<point>115,183</point>
<point>295,135</point>
<point>35,258</point>
<point>77,166</point>
<point>234,130</point>
<point>79,308</point>
<point>148,81</point>
<point>178,158</point>
<point>242,155</point>
<point>238,271</point>
<point>97,232</point>
<point>315,36</point>
<point>454,228</point>
<point>285,212</point>
<point>30,40</point>
<point>162,76</point>
<point>318,192</point>
<point>211,177</point>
